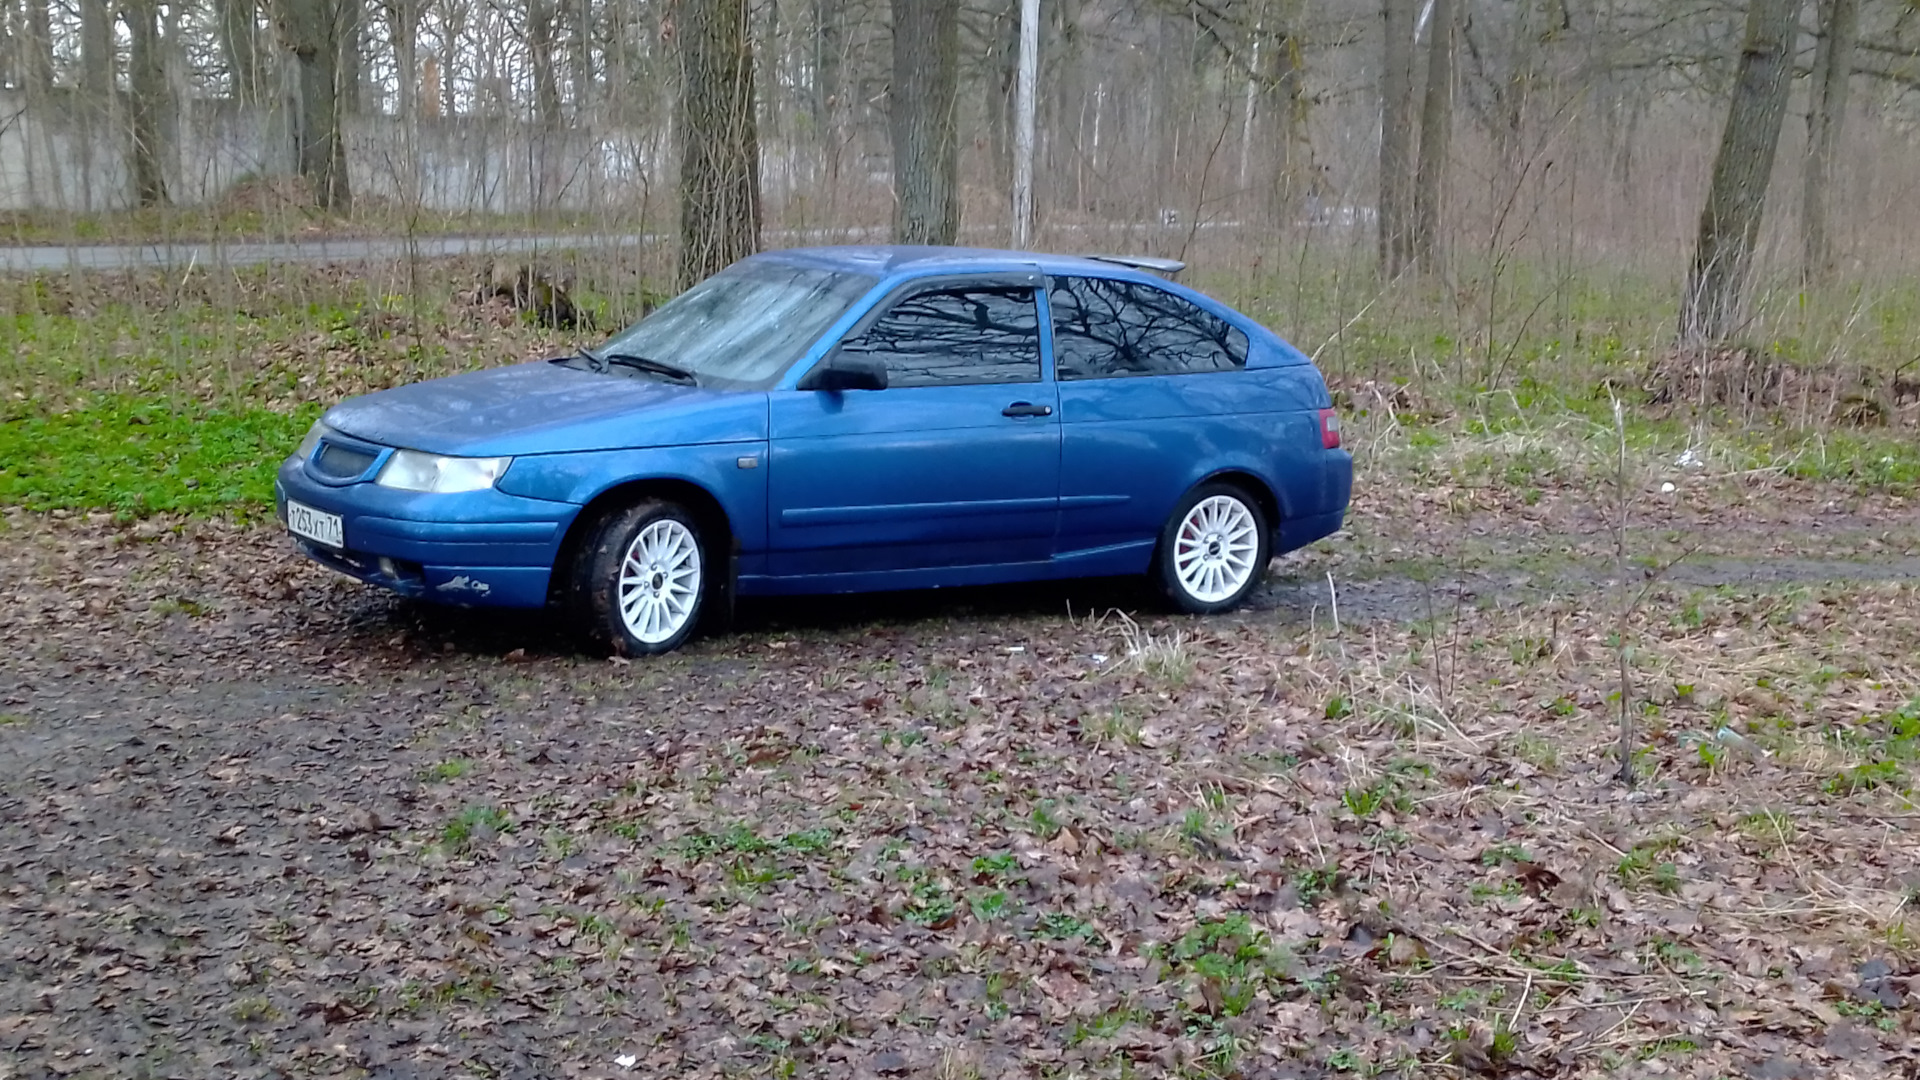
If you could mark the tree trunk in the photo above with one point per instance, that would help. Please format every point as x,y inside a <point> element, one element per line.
<point>97,60</point>
<point>36,66</point>
<point>549,139</point>
<point>240,46</point>
<point>719,144</point>
<point>829,90</point>
<point>349,83</point>
<point>579,21</point>
<point>1826,121</point>
<point>765,23</point>
<point>829,39</point>
<point>314,35</point>
<point>921,103</point>
<point>1396,137</point>
<point>148,80</point>
<point>1028,78</point>
<point>999,85</point>
<point>1282,115</point>
<point>546,83</point>
<point>1436,131</point>
<point>1710,308</point>
<point>403,30</point>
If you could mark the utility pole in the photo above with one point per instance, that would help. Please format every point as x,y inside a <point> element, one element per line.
<point>1023,123</point>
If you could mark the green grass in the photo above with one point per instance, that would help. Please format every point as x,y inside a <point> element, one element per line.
<point>471,823</point>
<point>451,769</point>
<point>1642,867</point>
<point>143,455</point>
<point>147,392</point>
<point>1887,742</point>
<point>1059,926</point>
<point>1230,956</point>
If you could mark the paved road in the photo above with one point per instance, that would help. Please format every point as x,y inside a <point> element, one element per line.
<point>46,258</point>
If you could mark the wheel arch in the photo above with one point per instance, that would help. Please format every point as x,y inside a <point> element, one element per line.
<point>707,510</point>
<point>1264,494</point>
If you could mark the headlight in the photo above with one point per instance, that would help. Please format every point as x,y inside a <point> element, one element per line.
<point>411,470</point>
<point>314,434</point>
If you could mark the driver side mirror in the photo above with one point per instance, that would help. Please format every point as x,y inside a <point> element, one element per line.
<point>847,372</point>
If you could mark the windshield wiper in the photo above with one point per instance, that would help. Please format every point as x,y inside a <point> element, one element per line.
<point>653,368</point>
<point>595,362</point>
<point>602,361</point>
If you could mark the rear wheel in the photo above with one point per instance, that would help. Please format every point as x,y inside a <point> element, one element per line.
<point>643,578</point>
<point>1213,549</point>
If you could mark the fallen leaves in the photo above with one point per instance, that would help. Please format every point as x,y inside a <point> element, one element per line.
<point>338,832</point>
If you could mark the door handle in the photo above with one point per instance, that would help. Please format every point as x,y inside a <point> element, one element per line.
<point>1027,408</point>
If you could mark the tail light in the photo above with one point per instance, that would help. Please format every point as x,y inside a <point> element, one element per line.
<point>1329,429</point>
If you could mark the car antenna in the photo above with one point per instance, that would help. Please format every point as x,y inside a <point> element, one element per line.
<point>1169,267</point>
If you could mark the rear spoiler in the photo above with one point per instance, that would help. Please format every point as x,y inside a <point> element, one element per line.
<point>1169,267</point>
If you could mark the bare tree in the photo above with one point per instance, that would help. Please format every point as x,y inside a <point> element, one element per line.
<point>578,17</point>
<point>352,77</point>
<point>97,60</point>
<point>1282,75</point>
<point>314,35</point>
<point>403,34</point>
<point>1436,130</point>
<point>147,71</point>
<point>921,101</point>
<point>1826,120</point>
<point>546,81</point>
<point>1716,286</point>
<point>240,47</point>
<point>829,41</point>
<point>719,143</point>
<point>830,33</point>
<point>36,46</point>
<point>1396,137</point>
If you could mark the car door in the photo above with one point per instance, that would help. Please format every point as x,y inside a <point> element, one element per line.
<point>956,463</point>
<point>1152,396</point>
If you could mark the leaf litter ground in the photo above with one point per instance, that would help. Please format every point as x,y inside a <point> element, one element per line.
<point>259,821</point>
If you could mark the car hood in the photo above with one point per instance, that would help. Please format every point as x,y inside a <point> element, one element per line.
<point>544,408</point>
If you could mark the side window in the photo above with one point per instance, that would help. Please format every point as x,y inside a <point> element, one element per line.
<point>1107,329</point>
<point>956,337</point>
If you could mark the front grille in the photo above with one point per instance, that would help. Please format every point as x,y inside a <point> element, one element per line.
<point>341,462</point>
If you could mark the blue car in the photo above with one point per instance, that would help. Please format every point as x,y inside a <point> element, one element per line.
<point>840,419</point>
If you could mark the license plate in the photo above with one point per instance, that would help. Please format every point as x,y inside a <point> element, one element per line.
<point>316,525</point>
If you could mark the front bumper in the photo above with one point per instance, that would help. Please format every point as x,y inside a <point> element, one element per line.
<point>477,548</point>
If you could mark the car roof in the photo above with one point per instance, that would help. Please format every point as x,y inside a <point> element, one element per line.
<point>891,260</point>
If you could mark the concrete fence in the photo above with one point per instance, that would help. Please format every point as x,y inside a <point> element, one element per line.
<point>56,154</point>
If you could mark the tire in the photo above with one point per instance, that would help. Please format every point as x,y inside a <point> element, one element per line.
<point>1213,549</point>
<point>644,578</point>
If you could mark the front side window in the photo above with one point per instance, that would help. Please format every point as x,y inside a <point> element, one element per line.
<point>1105,329</point>
<point>956,337</point>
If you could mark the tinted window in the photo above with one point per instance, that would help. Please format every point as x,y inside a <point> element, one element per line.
<point>1103,329</point>
<point>745,324</point>
<point>956,337</point>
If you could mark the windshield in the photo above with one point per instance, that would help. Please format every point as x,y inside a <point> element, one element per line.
<point>744,325</point>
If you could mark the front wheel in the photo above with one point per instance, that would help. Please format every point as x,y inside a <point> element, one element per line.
<point>643,578</point>
<point>1213,549</point>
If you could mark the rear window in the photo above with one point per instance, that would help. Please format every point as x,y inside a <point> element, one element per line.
<point>1105,329</point>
